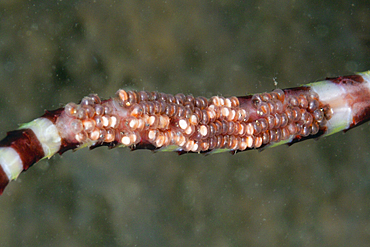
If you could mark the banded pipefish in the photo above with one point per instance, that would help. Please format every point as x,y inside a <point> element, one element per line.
<point>187,124</point>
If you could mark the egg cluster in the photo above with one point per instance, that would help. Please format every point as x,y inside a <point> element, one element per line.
<point>189,123</point>
<point>91,120</point>
<point>196,124</point>
<point>289,114</point>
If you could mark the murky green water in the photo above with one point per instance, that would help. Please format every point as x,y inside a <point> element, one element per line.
<point>314,193</point>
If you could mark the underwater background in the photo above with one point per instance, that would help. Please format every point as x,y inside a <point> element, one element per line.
<point>314,193</point>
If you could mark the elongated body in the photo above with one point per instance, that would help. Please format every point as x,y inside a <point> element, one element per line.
<point>184,123</point>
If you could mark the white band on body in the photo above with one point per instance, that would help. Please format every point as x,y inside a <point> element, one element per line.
<point>11,162</point>
<point>47,134</point>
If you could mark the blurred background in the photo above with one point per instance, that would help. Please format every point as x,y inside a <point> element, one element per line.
<point>315,193</point>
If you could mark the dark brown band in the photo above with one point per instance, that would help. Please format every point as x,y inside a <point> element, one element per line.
<point>53,115</point>
<point>4,180</point>
<point>347,80</point>
<point>26,144</point>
